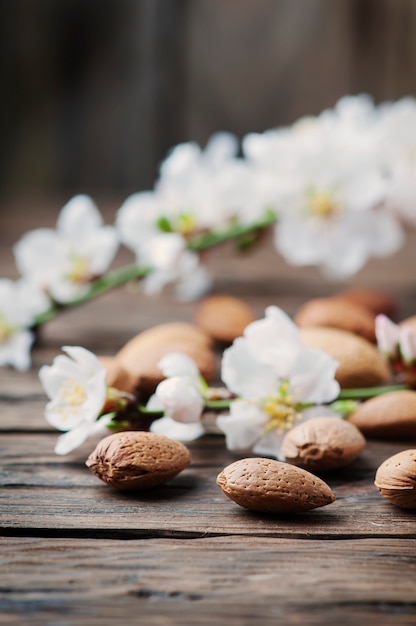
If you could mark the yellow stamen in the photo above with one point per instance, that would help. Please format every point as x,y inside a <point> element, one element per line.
<point>6,331</point>
<point>282,412</point>
<point>322,205</point>
<point>73,395</point>
<point>79,271</point>
<point>185,224</point>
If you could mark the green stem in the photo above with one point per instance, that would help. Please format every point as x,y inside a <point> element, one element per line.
<point>216,405</point>
<point>123,275</point>
<point>369,392</point>
<point>101,285</point>
<point>207,240</point>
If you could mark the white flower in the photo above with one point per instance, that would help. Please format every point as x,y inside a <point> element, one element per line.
<point>20,302</point>
<point>325,183</point>
<point>396,155</point>
<point>164,253</point>
<point>278,382</point>
<point>171,262</point>
<point>63,261</point>
<point>181,396</point>
<point>398,344</point>
<point>387,335</point>
<point>76,388</point>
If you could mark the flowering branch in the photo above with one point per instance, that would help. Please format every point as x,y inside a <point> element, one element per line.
<point>272,382</point>
<point>103,284</point>
<point>337,189</point>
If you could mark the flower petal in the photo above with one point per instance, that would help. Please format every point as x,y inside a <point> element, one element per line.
<point>180,399</point>
<point>313,379</point>
<point>408,343</point>
<point>244,374</point>
<point>243,427</point>
<point>177,430</point>
<point>72,439</point>
<point>387,335</point>
<point>178,364</point>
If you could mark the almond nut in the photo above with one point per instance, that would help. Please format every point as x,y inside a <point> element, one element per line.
<point>389,416</point>
<point>396,479</point>
<point>117,376</point>
<point>133,460</point>
<point>409,321</point>
<point>322,444</point>
<point>361,364</point>
<point>223,317</point>
<point>140,356</point>
<point>375,301</point>
<point>337,313</point>
<point>271,486</point>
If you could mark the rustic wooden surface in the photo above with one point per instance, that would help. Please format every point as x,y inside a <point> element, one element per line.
<point>74,551</point>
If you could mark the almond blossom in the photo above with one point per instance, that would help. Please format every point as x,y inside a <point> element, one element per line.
<point>197,192</point>
<point>181,396</point>
<point>326,185</point>
<point>397,156</point>
<point>398,344</point>
<point>76,386</point>
<point>20,302</point>
<point>64,261</point>
<point>279,383</point>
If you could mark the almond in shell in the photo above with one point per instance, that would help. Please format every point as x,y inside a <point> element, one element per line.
<point>223,317</point>
<point>337,313</point>
<point>375,301</point>
<point>322,444</point>
<point>117,376</point>
<point>388,416</point>
<point>396,479</point>
<point>361,364</point>
<point>133,460</point>
<point>140,356</point>
<point>270,486</point>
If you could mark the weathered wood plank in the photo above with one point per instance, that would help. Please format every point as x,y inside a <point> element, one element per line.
<point>44,493</point>
<point>209,580</point>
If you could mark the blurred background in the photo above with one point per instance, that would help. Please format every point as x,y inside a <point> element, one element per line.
<point>95,92</point>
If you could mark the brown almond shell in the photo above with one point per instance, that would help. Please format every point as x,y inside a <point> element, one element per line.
<point>322,444</point>
<point>389,416</point>
<point>223,317</point>
<point>361,364</point>
<point>270,486</point>
<point>337,313</point>
<point>133,460</point>
<point>396,479</point>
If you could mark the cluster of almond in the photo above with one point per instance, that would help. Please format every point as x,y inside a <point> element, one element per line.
<point>342,326</point>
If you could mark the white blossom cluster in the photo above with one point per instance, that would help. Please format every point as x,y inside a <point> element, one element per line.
<point>340,188</point>
<point>274,381</point>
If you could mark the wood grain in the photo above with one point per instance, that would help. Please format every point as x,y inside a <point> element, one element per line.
<point>209,580</point>
<point>76,552</point>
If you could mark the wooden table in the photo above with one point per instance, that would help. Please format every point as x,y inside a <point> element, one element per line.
<point>74,551</point>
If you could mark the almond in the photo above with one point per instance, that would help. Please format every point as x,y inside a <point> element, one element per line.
<point>223,317</point>
<point>117,376</point>
<point>409,321</point>
<point>322,444</point>
<point>144,365</point>
<point>165,332</point>
<point>133,460</point>
<point>396,479</point>
<point>271,486</point>
<point>336,313</point>
<point>361,364</point>
<point>140,356</point>
<point>389,416</point>
<point>375,301</point>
